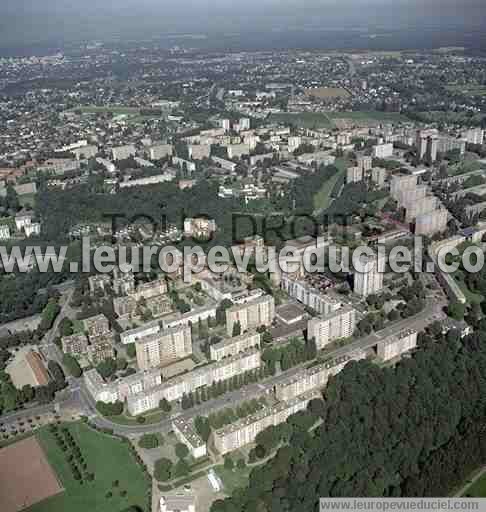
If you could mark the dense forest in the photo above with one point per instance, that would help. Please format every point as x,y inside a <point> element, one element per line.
<point>414,430</point>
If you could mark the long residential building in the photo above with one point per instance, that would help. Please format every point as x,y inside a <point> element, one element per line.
<point>338,324</point>
<point>232,346</point>
<point>174,389</point>
<point>396,345</point>
<point>309,296</point>
<point>243,432</point>
<point>163,347</point>
<point>314,377</point>
<point>252,314</point>
<point>121,389</point>
<point>186,433</point>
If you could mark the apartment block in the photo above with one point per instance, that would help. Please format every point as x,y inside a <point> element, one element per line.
<point>125,306</point>
<point>431,223</point>
<point>309,296</point>
<point>410,195</point>
<point>99,352</point>
<point>186,433</point>
<point>4,232</point>
<point>401,184</point>
<point>123,152</point>
<point>75,345</point>
<point>395,346</point>
<point>243,432</point>
<point>378,176</point>
<point>315,377</point>
<point>173,389</point>
<point>160,151</point>
<point>237,150</point>
<point>338,324</point>
<point>121,389</point>
<point>368,279</point>
<point>132,335</point>
<point>163,347</point>
<point>232,346</point>
<point>445,144</point>
<point>150,289</point>
<point>253,314</point>
<point>419,207</point>
<point>354,174</point>
<point>199,151</point>
<point>365,163</point>
<point>96,325</point>
<point>473,136</point>
<point>383,151</point>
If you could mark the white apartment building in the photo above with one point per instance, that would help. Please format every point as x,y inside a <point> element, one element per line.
<point>174,389</point>
<point>383,151</point>
<point>243,432</point>
<point>309,296</point>
<point>123,152</point>
<point>369,278</point>
<point>365,163</point>
<point>186,433</point>
<point>402,183</point>
<point>473,136</point>
<point>4,232</point>
<point>199,151</point>
<point>160,151</point>
<point>431,223</point>
<point>336,325</point>
<point>354,174</point>
<point>147,329</point>
<point>253,314</point>
<point>163,347</point>
<point>232,346</point>
<point>237,150</point>
<point>378,176</point>
<point>396,345</point>
<point>315,377</point>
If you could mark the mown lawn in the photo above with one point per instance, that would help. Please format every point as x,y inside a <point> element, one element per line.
<point>477,489</point>
<point>109,459</point>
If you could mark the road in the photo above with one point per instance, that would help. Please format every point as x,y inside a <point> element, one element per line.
<point>87,406</point>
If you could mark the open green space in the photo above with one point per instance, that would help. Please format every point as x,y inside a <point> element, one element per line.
<point>115,471</point>
<point>323,199</point>
<point>468,90</point>
<point>108,110</point>
<point>311,120</point>
<point>472,298</point>
<point>150,418</point>
<point>233,479</point>
<point>477,489</point>
<point>27,199</point>
<point>370,116</point>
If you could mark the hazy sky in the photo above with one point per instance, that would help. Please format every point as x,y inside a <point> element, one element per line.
<point>29,21</point>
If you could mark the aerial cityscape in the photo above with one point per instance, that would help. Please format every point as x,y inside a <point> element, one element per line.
<point>241,274</point>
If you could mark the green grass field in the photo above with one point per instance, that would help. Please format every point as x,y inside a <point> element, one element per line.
<point>322,199</point>
<point>233,480</point>
<point>106,110</point>
<point>468,90</point>
<point>477,489</point>
<point>370,116</point>
<point>312,120</point>
<point>109,459</point>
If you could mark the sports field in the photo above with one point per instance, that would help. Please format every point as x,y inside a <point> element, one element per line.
<point>118,480</point>
<point>26,477</point>
<point>325,93</point>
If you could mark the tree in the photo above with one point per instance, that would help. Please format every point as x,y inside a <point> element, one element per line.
<point>456,310</point>
<point>121,363</point>
<point>165,405</point>
<point>241,464</point>
<point>181,469</point>
<point>181,451</point>
<point>66,327</point>
<point>114,409</point>
<point>202,427</point>
<point>228,463</point>
<point>131,350</point>
<point>149,441</point>
<point>163,470</point>
<point>236,329</point>
<point>107,368</point>
<point>72,366</point>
